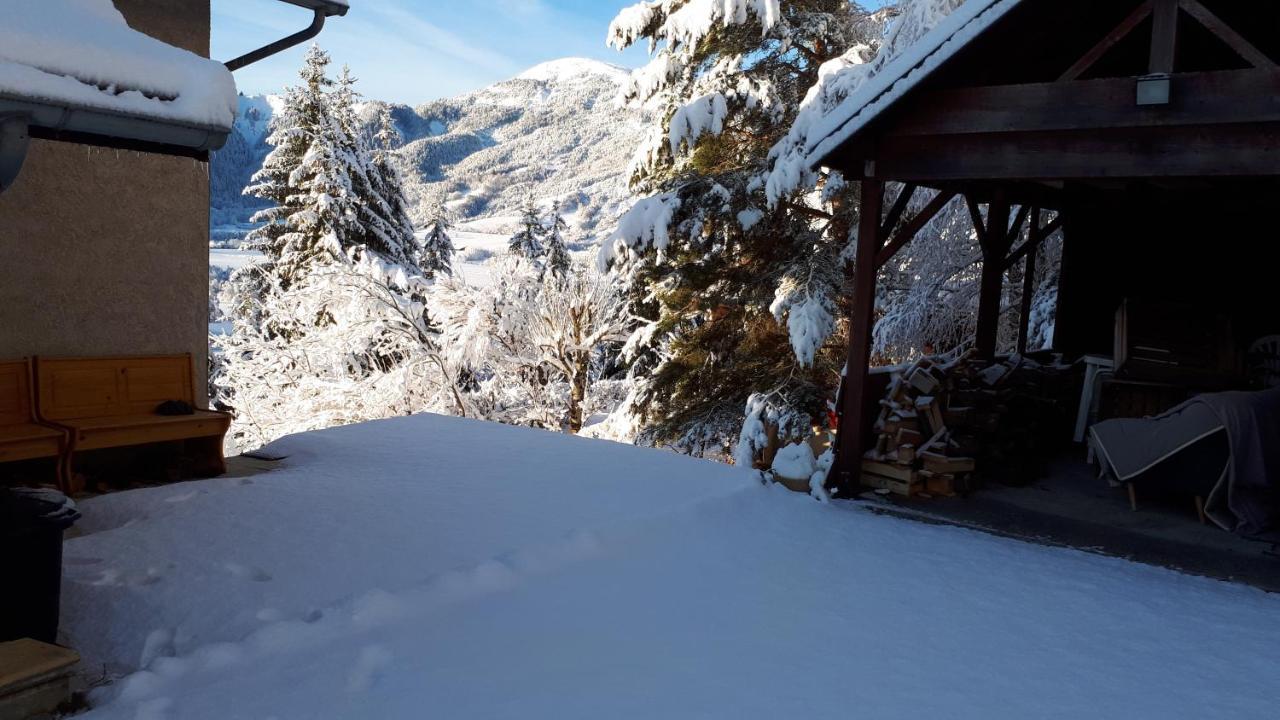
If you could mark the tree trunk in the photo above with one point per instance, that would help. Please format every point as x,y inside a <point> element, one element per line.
<point>577,394</point>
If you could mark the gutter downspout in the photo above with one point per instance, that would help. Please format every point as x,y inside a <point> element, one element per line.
<point>322,9</point>
<point>317,24</point>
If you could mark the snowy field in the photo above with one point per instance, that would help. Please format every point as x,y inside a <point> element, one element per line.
<point>437,567</point>
<point>475,244</point>
<point>232,259</point>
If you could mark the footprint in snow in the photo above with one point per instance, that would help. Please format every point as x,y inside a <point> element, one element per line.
<point>107,578</point>
<point>373,660</point>
<point>183,497</point>
<point>159,644</point>
<point>152,577</point>
<point>154,709</point>
<point>255,574</point>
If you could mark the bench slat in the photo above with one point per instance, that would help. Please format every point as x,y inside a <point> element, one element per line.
<point>112,402</point>
<point>21,437</point>
<point>73,388</point>
<point>15,393</point>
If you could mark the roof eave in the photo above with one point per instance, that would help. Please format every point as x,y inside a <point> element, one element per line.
<point>61,117</point>
<point>922,59</point>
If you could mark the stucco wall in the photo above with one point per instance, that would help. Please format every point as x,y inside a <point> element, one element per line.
<point>184,23</point>
<point>106,252</point>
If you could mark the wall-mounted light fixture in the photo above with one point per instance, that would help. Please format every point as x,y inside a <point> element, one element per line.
<point>1154,89</point>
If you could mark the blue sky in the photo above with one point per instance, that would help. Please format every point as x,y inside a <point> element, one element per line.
<point>411,51</point>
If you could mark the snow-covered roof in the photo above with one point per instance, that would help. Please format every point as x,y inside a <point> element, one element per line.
<point>903,74</point>
<point>81,55</point>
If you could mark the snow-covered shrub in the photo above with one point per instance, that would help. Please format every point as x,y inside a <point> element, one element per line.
<point>533,350</point>
<point>349,342</point>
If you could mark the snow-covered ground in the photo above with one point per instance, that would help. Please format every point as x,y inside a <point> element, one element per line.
<point>437,567</point>
<point>473,250</point>
<point>232,259</point>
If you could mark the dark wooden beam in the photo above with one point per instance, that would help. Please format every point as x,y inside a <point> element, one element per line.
<point>1226,34</point>
<point>1024,327</point>
<point>975,214</point>
<point>1164,36</point>
<point>1034,241</point>
<point>1029,283</point>
<point>994,250</point>
<point>1015,230</point>
<point>1047,194</point>
<point>899,207</point>
<point>1118,33</point>
<point>1205,99</point>
<point>1249,150</point>
<point>914,226</point>
<point>851,437</point>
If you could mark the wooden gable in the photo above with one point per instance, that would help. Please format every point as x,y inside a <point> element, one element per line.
<point>1050,92</point>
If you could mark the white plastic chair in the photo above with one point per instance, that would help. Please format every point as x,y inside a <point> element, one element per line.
<point>1264,360</point>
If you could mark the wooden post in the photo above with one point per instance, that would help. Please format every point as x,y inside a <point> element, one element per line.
<point>1164,36</point>
<point>995,248</point>
<point>853,416</point>
<point>1029,281</point>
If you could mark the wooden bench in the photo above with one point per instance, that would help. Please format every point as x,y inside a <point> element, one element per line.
<point>112,402</point>
<point>22,437</point>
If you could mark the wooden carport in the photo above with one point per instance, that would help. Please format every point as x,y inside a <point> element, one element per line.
<point>1136,127</point>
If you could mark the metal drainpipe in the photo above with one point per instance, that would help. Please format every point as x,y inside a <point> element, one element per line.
<point>317,24</point>
<point>14,141</point>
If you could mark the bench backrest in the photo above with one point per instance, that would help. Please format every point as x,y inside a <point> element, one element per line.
<point>15,392</point>
<point>74,388</point>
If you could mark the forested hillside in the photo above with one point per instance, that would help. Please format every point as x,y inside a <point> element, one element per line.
<point>555,132</point>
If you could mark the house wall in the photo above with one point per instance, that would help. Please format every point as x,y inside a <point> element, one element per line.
<point>106,252</point>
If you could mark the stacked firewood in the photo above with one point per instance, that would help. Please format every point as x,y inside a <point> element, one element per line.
<point>940,422</point>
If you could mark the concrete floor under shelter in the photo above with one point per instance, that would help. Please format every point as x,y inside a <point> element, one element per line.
<point>1072,507</point>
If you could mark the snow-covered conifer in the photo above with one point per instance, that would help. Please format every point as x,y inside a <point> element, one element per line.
<point>306,180</point>
<point>332,327</point>
<point>383,209</point>
<point>527,242</point>
<point>727,280</point>
<point>558,261</point>
<point>436,255</point>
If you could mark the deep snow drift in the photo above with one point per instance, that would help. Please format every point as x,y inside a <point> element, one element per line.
<point>437,567</point>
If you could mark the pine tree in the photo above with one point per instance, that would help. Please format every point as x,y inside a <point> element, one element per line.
<point>303,177</point>
<point>740,293</point>
<point>436,256</point>
<point>527,242</point>
<point>333,326</point>
<point>383,209</point>
<point>558,260</point>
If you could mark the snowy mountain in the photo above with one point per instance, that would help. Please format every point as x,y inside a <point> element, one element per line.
<point>555,131</point>
<point>231,167</point>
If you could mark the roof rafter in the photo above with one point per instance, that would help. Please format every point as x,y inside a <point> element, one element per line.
<point>1113,38</point>
<point>1226,34</point>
